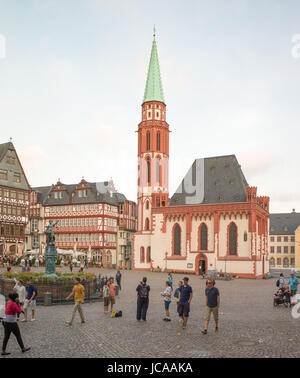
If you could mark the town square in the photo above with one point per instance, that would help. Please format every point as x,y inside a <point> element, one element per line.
<point>149,196</point>
<point>250,326</point>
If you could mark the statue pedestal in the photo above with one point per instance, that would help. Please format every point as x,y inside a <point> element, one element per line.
<point>50,261</point>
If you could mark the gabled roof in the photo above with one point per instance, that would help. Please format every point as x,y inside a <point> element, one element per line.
<point>154,90</point>
<point>8,149</point>
<point>284,223</point>
<point>212,180</point>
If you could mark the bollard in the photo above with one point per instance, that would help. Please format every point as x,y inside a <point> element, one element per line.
<point>47,299</point>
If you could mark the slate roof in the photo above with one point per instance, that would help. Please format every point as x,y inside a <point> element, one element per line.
<point>212,180</point>
<point>99,193</point>
<point>284,223</point>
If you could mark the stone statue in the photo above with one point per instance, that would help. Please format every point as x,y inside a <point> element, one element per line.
<point>50,251</point>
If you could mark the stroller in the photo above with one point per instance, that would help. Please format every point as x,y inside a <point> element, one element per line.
<point>282,297</point>
<point>278,298</point>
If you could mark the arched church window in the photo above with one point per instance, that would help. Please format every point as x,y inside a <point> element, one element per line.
<point>203,237</point>
<point>177,240</point>
<point>147,204</point>
<point>148,171</point>
<point>142,256</point>
<point>148,140</point>
<point>149,254</point>
<point>233,239</point>
<point>158,141</point>
<point>147,224</point>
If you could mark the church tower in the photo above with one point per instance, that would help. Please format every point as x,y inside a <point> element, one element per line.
<point>153,148</point>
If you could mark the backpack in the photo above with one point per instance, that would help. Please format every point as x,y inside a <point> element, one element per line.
<point>143,292</point>
<point>278,283</point>
<point>118,314</point>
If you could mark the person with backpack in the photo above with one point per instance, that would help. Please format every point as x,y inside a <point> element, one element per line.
<point>281,283</point>
<point>118,278</point>
<point>142,299</point>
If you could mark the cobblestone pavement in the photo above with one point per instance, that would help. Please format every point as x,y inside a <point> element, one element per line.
<point>250,326</point>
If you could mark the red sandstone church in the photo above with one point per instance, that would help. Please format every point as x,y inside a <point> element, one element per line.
<point>214,221</point>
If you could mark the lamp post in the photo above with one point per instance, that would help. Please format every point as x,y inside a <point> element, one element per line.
<point>166,261</point>
<point>225,258</point>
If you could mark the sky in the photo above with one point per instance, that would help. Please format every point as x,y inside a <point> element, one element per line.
<point>73,74</point>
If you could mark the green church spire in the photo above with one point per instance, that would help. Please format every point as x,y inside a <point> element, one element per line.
<point>153,90</point>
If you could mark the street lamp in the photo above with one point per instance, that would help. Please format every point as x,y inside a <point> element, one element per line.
<point>225,258</point>
<point>166,260</point>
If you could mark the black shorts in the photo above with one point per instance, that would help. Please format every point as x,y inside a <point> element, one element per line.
<point>183,309</point>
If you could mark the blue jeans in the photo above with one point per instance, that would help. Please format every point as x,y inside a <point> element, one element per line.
<point>142,307</point>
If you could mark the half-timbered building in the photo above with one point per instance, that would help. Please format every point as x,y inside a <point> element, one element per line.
<point>87,215</point>
<point>14,201</point>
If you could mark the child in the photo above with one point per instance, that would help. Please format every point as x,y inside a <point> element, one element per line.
<point>167,300</point>
<point>105,295</point>
<point>278,297</point>
<point>170,279</point>
<point>287,296</point>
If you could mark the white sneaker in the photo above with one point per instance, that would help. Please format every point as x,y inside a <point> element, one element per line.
<point>23,320</point>
<point>33,319</point>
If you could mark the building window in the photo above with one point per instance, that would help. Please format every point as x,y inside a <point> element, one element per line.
<point>142,257</point>
<point>203,237</point>
<point>10,160</point>
<point>279,238</point>
<point>272,261</point>
<point>158,141</point>
<point>272,250</point>
<point>292,261</point>
<point>278,249</point>
<point>17,177</point>
<point>286,262</point>
<point>177,240</point>
<point>245,236</point>
<point>3,174</point>
<point>292,238</point>
<point>147,205</point>
<point>286,239</point>
<point>147,224</point>
<point>286,250</point>
<point>272,238</point>
<point>233,239</point>
<point>279,261</point>
<point>149,254</point>
<point>108,257</point>
<point>292,249</point>
<point>148,140</point>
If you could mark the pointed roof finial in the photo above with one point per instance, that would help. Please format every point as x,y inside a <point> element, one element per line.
<point>154,32</point>
<point>10,139</point>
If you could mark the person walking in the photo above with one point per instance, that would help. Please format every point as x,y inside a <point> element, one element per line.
<point>71,266</point>
<point>167,294</point>
<point>21,291</point>
<point>118,278</point>
<point>10,323</point>
<point>30,301</point>
<point>185,297</point>
<point>112,293</point>
<point>293,282</point>
<point>212,300</point>
<point>142,299</point>
<point>105,295</point>
<point>78,293</point>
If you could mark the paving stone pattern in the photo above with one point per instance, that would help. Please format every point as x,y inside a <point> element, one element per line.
<point>250,326</point>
